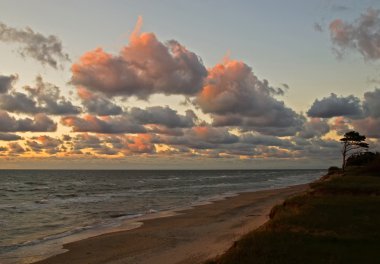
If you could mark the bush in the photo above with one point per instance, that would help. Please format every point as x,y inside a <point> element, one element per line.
<point>333,169</point>
<point>363,158</point>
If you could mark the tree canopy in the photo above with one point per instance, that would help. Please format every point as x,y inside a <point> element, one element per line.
<point>353,143</point>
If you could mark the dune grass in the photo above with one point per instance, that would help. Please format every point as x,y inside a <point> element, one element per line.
<point>337,221</point>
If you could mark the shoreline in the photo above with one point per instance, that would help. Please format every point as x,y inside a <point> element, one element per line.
<point>188,235</point>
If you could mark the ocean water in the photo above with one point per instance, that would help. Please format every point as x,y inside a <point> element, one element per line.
<point>49,207</point>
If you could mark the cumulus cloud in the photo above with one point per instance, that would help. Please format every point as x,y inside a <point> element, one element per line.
<point>368,126</point>
<point>160,118</point>
<point>9,137</point>
<point>112,145</point>
<point>106,125</point>
<point>145,66</point>
<point>44,144</point>
<point>6,82</point>
<point>47,50</point>
<point>42,98</point>
<point>16,102</point>
<point>15,149</point>
<point>234,96</point>
<point>371,103</point>
<point>315,127</point>
<point>39,123</point>
<point>363,35</point>
<point>340,124</point>
<point>336,106</point>
<point>163,116</point>
<point>98,104</point>
<point>264,140</point>
<point>200,137</point>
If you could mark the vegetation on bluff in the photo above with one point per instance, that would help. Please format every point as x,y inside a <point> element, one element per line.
<point>336,221</point>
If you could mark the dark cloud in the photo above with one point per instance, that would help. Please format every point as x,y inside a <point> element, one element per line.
<point>45,144</point>
<point>371,103</point>
<point>84,141</point>
<point>106,125</point>
<point>47,50</point>
<point>163,116</point>
<point>362,35</point>
<point>6,82</point>
<point>257,139</point>
<point>336,106</point>
<point>98,104</point>
<point>39,123</point>
<point>200,137</point>
<point>15,149</point>
<point>315,127</point>
<point>50,99</point>
<point>42,98</point>
<point>9,137</point>
<point>113,145</point>
<point>161,129</point>
<point>234,96</point>
<point>101,106</point>
<point>160,119</point>
<point>16,102</point>
<point>146,66</point>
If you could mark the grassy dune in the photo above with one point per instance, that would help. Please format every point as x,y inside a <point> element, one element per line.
<point>337,221</point>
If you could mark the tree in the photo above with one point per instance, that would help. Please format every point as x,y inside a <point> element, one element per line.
<point>353,142</point>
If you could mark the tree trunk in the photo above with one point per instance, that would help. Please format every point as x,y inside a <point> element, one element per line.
<point>344,152</point>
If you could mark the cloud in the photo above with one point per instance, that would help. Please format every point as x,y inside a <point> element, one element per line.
<point>43,98</point>
<point>159,119</point>
<point>16,102</point>
<point>9,137</point>
<point>15,149</point>
<point>39,123</point>
<point>340,124</point>
<point>257,139</point>
<point>369,127</point>
<point>163,116</point>
<point>113,145</point>
<point>106,125</point>
<point>47,50</point>
<point>145,66</point>
<point>234,96</point>
<point>98,104</point>
<point>336,106</point>
<point>371,103</point>
<point>200,137</point>
<point>44,144</point>
<point>6,82</point>
<point>316,127</point>
<point>363,35</point>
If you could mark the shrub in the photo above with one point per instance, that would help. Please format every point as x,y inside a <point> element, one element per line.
<point>333,169</point>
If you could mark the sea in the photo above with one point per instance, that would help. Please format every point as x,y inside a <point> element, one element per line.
<point>42,209</point>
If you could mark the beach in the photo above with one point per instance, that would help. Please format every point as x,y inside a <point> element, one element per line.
<point>190,236</point>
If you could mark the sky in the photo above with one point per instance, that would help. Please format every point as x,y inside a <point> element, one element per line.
<point>186,84</point>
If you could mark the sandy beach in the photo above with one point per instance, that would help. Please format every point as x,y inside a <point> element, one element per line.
<point>191,236</point>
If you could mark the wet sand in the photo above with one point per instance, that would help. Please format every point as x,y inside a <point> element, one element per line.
<point>192,236</point>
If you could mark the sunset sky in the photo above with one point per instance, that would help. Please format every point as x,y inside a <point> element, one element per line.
<point>186,84</point>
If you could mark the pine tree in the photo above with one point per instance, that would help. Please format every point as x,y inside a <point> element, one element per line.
<point>353,142</point>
